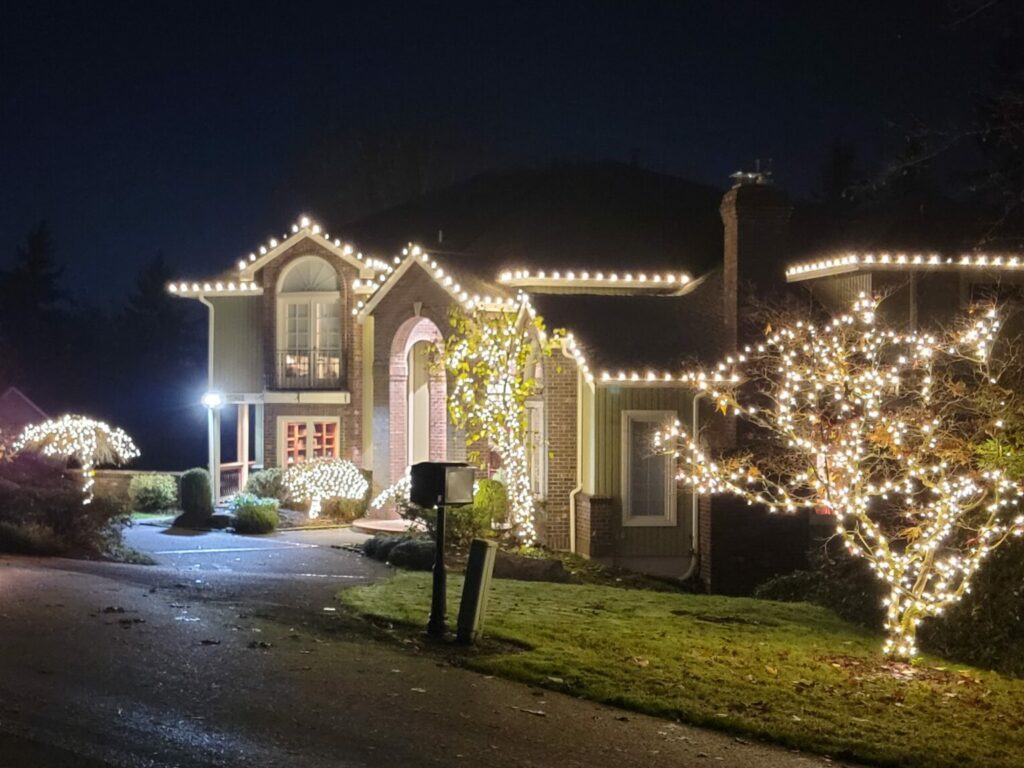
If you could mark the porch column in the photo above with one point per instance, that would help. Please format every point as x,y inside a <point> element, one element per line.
<point>213,443</point>
<point>242,440</point>
<point>258,436</point>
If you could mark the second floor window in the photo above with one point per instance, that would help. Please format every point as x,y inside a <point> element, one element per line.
<point>309,325</point>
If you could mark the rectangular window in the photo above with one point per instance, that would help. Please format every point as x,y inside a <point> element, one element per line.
<point>648,482</point>
<point>295,442</point>
<point>304,439</point>
<point>297,327</point>
<point>325,439</point>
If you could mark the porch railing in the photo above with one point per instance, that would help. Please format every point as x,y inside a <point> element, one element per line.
<point>309,369</point>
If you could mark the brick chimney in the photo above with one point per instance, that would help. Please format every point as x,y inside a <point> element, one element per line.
<point>756,216</point>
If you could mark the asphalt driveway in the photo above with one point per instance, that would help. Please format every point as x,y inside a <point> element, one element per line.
<point>232,651</point>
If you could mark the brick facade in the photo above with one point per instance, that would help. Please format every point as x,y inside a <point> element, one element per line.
<point>560,391</point>
<point>594,524</point>
<point>413,298</point>
<point>349,414</point>
<point>271,412</point>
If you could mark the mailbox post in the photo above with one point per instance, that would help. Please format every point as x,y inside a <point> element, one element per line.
<point>438,485</point>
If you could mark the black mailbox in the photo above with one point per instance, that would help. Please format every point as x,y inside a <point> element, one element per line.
<point>441,483</point>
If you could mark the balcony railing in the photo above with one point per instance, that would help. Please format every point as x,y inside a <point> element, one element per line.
<point>309,369</point>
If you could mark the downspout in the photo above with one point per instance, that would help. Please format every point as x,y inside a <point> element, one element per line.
<point>579,451</point>
<point>695,499</point>
<point>212,419</point>
<point>209,342</point>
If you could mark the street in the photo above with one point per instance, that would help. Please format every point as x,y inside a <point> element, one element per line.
<point>232,651</point>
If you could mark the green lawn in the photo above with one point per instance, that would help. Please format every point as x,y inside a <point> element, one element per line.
<point>791,673</point>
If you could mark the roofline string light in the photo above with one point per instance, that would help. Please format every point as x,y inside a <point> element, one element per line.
<point>524,278</point>
<point>443,278</point>
<point>849,262</point>
<point>304,226</point>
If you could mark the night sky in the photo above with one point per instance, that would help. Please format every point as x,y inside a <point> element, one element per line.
<point>180,127</point>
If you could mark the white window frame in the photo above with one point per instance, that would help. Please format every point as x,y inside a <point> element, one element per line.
<point>668,518</point>
<point>285,300</point>
<point>541,448</point>
<point>282,437</point>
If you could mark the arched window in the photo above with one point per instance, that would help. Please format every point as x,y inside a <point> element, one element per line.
<point>309,326</point>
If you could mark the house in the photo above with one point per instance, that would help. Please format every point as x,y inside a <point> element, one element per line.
<point>323,343</point>
<point>920,287</point>
<point>17,411</point>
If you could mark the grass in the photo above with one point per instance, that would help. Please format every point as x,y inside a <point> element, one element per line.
<point>787,672</point>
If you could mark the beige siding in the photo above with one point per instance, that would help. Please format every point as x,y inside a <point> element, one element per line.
<point>839,292</point>
<point>237,353</point>
<point>609,403</point>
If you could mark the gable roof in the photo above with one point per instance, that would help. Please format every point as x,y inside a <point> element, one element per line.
<point>604,216</point>
<point>243,278</point>
<point>464,288</point>
<point>640,333</point>
<point>18,411</point>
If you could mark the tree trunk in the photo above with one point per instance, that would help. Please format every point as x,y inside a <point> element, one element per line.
<point>901,622</point>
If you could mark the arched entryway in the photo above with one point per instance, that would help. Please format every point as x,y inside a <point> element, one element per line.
<point>417,396</point>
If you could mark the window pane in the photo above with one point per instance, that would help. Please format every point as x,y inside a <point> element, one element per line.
<point>295,442</point>
<point>328,325</point>
<point>648,472</point>
<point>297,326</point>
<point>325,440</point>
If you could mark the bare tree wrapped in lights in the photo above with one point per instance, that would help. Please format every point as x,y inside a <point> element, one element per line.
<point>488,355</point>
<point>881,428</point>
<point>85,440</point>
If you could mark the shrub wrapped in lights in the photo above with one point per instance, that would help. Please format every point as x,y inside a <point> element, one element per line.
<point>882,429</point>
<point>319,479</point>
<point>85,440</point>
<point>397,493</point>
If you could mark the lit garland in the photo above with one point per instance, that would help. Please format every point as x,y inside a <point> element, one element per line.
<point>320,479</point>
<point>880,428</point>
<point>487,355</point>
<point>87,441</point>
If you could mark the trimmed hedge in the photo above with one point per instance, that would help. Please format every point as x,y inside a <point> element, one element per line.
<point>986,628</point>
<point>196,497</point>
<point>253,514</point>
<point>491,499</point>
<point>153,493</point>
<point>268,483</point>
<point>342,510</point>
<point>41,511</point>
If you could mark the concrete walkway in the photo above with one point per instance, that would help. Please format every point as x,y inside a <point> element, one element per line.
<point>233,652</point>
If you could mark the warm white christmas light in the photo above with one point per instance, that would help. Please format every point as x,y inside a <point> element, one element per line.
<point>319,479</point>
<point>880,428</point>
<point>87,441</point>
<point>487,355</point>
<point>849,262</point>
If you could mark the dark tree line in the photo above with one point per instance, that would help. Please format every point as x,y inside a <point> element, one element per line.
<point>972,168</point>
<point>136,363</point>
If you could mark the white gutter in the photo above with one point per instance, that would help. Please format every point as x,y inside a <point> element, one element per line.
<point>209,342</point>
<point>695,498</point>
<point>579,452</point>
